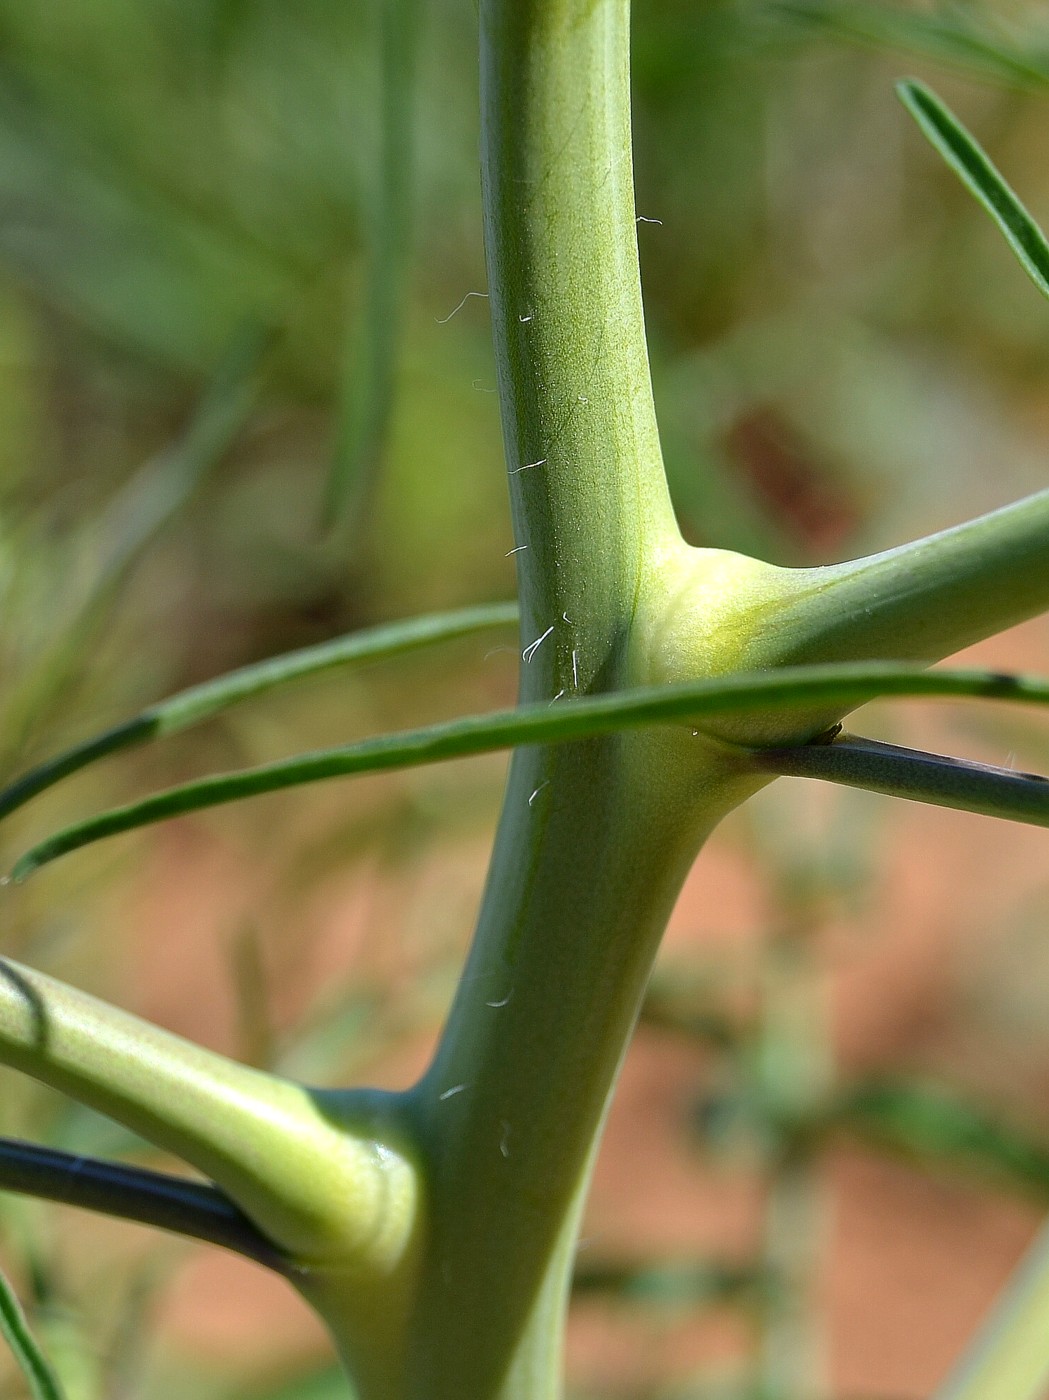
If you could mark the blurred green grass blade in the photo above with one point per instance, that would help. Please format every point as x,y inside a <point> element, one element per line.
<point>200,702</point>
<point>976,171</point>
<point>957,37</point>
<point>42,1381</point>
<point>167,483</point>
<point>692,1285</point>
<point>155,494</point>
<point>328,1384</point>
<point>839,686</point>
<point>936,1128</point>
<point>922,777</point>
<point>371,353</point>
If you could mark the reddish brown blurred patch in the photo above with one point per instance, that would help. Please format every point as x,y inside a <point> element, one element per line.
<point>793,486</point>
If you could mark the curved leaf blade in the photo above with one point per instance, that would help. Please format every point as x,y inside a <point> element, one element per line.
<point>975,169</point>
<point>43,1383</point>
<point>200,702</point>
<point>796,688</point>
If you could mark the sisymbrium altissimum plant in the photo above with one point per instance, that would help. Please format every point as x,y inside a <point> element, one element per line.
<point>661,685</point>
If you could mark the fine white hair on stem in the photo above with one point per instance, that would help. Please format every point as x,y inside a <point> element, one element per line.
<point>516,550</point>
<point>504,1141</point>
<point>534,796</point>
<point>525,319</point>
<point>451,1093</point>
<point>575,669</point>
<point>503,1001</point>
<point>558,696</point>
<point>641,219</point>
<point>481,388</point>
<point>443,320</point>
<point>527,466</point>
<point>532,647</point>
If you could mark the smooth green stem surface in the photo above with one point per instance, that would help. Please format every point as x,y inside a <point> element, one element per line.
<point>288,1157</point>
<point>918,602</point>
<point>592,846</point>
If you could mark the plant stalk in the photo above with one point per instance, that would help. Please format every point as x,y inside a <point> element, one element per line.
<point>595,837</point>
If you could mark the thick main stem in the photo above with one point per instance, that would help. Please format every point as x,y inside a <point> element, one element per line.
<point>594,838</point>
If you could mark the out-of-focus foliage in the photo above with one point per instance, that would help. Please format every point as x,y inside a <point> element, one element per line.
<point>193,195</point>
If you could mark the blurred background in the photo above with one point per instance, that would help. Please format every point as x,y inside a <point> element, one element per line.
<point>238,415</point>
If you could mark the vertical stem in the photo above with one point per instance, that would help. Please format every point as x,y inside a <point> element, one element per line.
<point>587,488</point>
<point>595,837</point>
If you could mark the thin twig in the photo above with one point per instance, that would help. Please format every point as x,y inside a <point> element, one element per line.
<point>195,1209</point>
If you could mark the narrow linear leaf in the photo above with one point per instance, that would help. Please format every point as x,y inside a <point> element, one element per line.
<point>957,38</point>
<point>371,354</point>
<point>977,172</point>
<point>199,702</point>
<point>43,1383</point>
<point>922,777</point>
<point>783,691</point>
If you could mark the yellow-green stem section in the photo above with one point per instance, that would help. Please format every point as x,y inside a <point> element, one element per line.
<point>1009,1359</point>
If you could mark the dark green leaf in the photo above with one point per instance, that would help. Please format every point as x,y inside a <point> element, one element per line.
<point>782,692</point>
<point>974,168</point>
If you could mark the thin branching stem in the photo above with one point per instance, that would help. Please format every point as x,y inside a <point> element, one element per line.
<point>191,1208</point>
<point>922,777</point>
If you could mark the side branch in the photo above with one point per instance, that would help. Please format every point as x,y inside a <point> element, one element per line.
<point>322,1175</point>
<point>189,1208</point>
<point>920,601</point>
<point>922,777</point>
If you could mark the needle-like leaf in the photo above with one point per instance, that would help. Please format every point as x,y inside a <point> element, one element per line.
<point>43,1383</point>
<point>191,1208</point>
<point>923,777</point>
<point>975,169</point>
<point>199,702</point>
<point>840,687</point>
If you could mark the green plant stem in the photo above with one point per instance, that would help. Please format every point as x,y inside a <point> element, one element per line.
<point>590,850</point>
<point>294,1161</point>
<point>190,1208</point>
<point>1009,1360</point>
<point>918,602</point>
